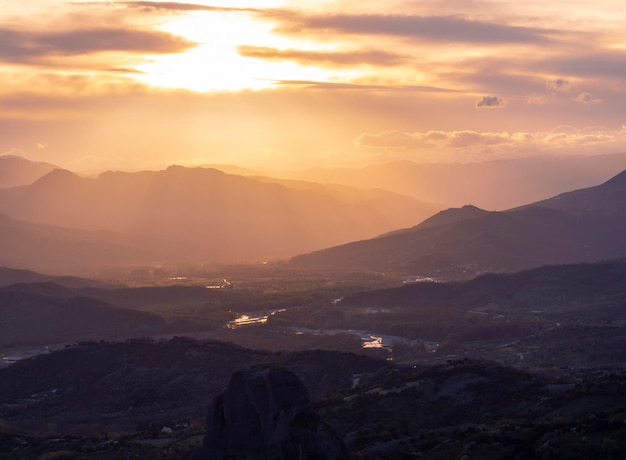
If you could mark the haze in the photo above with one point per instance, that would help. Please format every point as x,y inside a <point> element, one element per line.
<point>255,229</point>
<point>132,85</point>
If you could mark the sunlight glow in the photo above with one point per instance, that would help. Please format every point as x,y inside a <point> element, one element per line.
<point>216,65</point>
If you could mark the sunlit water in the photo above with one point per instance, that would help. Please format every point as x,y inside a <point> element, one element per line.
<point>252,317</point>
<point>368,339</point>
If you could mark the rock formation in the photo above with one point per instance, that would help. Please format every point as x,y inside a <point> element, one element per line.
<point>265,414</point>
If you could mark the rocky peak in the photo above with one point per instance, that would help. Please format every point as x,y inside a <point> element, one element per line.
<point>265,414</point>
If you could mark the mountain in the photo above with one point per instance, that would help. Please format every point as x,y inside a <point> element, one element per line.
<point>62,250</point>
<point>15,171</point>
<point>605,201</point>
<point>493,185</point>
<point>48,313</point>
<point>599,284</point>
<point>205,215</point>
<point>150,399</point>
<point>445,217</point>
<point>10,276</point>
<point>580,226</point>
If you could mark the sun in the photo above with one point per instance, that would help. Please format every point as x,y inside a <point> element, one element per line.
<point>215,64</point>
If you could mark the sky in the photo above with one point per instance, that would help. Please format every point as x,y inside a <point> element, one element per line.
<point>285,84</point>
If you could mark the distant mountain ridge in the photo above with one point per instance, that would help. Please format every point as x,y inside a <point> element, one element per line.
<point>62,250</point>
<point>492,185</point>
<point>16,171</point>
<point>205,215</point>
<point>601,201</point>
<point>580,226</point>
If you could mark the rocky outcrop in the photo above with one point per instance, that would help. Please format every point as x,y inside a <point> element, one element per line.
<point>265,414</point>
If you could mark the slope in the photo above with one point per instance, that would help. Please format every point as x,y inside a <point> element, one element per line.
<point>207,215</point>
<point>16,171</point>
<point>61,250</point>
<point>44,313</point>
<point>579,226</point>
<point>10,276</point>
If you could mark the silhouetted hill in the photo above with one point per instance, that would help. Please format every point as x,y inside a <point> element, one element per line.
<point>580,226</point>
<point>493,185</point>
<point>207,215</point>
<point>44,313</point>
<point>147,399</point>
<point>549,286</point>
<point>16,171</point>
<point>10,276</point>
<point>131,385</point>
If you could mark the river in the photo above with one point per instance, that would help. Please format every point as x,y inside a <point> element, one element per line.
<point>368,339</point>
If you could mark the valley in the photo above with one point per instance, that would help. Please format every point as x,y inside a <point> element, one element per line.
<point>474,332</point>
<point>319,230</point>
<point>558,332</point>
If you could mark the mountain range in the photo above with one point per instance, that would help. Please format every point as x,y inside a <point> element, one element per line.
<point>65,223</point>
<point>578,226</point>
<point>492,185</point>
<point>187,214</point>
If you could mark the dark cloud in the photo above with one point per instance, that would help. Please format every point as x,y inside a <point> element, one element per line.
<point>560,85</point>
<point>375,58</point>
<point>490,102</point>
<point>435,28</point>
<point>20,46</point>
<point>610,64</point>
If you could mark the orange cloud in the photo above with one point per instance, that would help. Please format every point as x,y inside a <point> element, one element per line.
<point>431,28</point>
<point>470,142</point>
<point>31,47</point>
<point>323,58</point>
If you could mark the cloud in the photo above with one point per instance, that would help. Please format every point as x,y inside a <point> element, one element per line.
<point>490,102</point>
<point>433,28</point>
<point>475,143</point>
<point>587,98</point>
<point>179,6</point>
<point>312,84</point>
<point>398,140</point>
<point>20,46</point>
<point>325,58</point>
<point>566,87</point>
<point>601,63</point>
<point>560,85</point>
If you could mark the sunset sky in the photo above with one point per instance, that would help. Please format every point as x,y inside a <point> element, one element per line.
<point>94,85</point>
